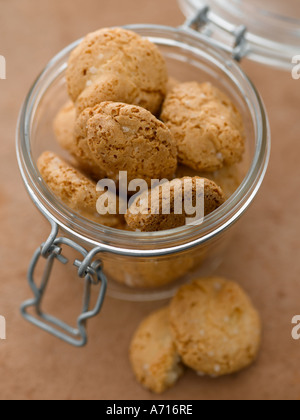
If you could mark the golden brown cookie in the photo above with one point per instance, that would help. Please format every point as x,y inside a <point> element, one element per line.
<point>64,129</point>
<point>151,273</point>
<point>75,189</point>
<point>117,65</point>
<point>172,83</point>
<point>120,137</point>
<point>147,213</point>
<point>63,125</point>
<point>153,354</point>
<point>206,125</point>
<point>228,178</point>
<point>216,329</point>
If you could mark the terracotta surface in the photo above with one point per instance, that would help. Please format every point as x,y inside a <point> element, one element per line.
<point>264,256</point>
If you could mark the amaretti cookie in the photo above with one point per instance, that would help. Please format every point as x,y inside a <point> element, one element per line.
<point>152,273</point>
<point>63,126</point>
<point>172,83</point>
<point>154,211</point>
<point>117,65</point>
<point>216,329</point>
<point>64,129</point>
<point>153,353</point>
<point>116,137</point>
<point>228,178</point>
<point>75,189</point>
<point>206,125</point>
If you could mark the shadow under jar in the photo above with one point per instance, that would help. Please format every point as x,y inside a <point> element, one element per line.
<point>138,266</point>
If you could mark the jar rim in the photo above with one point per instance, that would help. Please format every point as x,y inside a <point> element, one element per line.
<point>140,243</point>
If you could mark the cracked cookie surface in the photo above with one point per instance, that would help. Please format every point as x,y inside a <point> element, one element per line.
<point>228,178</point>
<point>74,189</point>
<point>153,353</point>
<point>216,329</point>
<point>147,212</point>
<point>117,65</point>
<point>119,137</point>
<point>206,125</point>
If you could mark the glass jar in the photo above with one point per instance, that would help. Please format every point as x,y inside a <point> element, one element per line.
<point>139,266</point>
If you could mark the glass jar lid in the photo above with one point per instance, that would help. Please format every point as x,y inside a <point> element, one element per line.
<point>272,33</point>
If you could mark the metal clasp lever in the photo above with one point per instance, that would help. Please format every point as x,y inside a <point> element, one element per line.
<point>92,274</point>
<point>204,22</point>
<point>200,19</point>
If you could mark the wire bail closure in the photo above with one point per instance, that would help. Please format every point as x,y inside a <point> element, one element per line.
<point>88,269</point>
<point>202,23</point>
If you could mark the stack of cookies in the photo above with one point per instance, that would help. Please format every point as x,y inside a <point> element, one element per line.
<point>210,326</point>
<point>126,115</point>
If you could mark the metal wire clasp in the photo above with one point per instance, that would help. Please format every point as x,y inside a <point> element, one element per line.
<point>204,22</point>
<point>92,272</point>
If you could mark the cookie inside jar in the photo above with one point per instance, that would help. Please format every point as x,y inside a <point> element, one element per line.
<point>133,124</point>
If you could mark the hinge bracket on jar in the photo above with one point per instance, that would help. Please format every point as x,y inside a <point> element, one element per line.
<point>88,269</point>
<point>203,23</point>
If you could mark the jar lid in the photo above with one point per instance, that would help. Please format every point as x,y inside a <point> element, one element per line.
<point>272,33</point>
